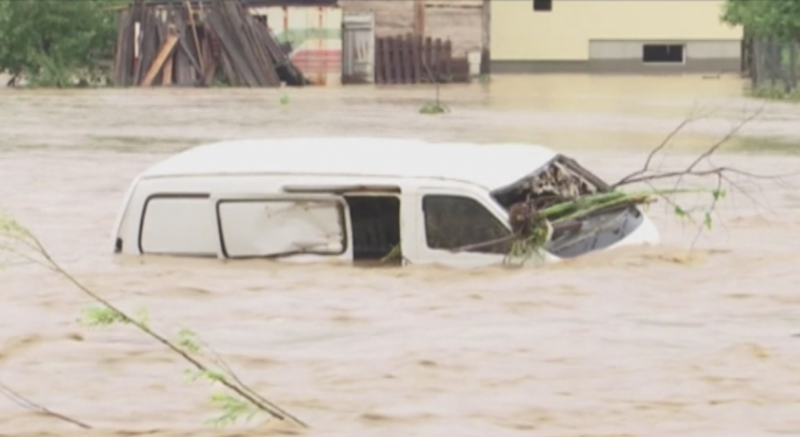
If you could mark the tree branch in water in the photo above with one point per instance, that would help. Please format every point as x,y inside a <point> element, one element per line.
<point>10,394</point>
<point>20,242</point>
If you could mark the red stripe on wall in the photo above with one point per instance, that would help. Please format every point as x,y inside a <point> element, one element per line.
<point>319,69</point>
<point>326,54</point>
<point>318,61</point>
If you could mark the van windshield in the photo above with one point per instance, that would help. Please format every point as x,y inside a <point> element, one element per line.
<point>562,179</point>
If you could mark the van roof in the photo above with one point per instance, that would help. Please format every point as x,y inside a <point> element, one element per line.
<point>489,166</point>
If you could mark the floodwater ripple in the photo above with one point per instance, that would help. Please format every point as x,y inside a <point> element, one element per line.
<point>641,342</point>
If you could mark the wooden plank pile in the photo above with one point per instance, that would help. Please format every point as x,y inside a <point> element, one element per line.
<point>197,44</point>
<point>410,59</point>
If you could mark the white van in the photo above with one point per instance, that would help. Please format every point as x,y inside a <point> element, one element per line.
<point>355,199</point>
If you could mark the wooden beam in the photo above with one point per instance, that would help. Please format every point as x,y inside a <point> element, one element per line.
<point>163,54</point>
<point>419,18</point>
<point>166,78</point>
<point>194,34</point>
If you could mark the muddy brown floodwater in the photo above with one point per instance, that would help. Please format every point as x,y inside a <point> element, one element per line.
<point>645,342</point>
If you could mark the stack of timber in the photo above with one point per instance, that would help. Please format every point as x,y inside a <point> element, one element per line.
<point>198,44</point>
<point>412,59</point>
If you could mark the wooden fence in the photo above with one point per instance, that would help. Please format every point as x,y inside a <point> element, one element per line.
<point>410,59</point>
<point>773,64</point>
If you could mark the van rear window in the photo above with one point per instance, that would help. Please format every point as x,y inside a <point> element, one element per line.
<point>178,224</point>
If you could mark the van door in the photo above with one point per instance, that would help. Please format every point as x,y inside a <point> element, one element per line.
<point>270,226</point>
<point>462,228</point>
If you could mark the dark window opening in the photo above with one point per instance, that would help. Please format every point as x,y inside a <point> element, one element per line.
<point>118,245</point>
<point>453,222</point>
<point>542,5</point>
<point>261,19</point>
<point>662,53</point>
<point>375,228</point>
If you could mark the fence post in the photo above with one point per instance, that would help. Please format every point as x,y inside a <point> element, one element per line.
<point>428,60</point>
<point>792,65</point>
<point>408,58</point>
<point>416,55</point>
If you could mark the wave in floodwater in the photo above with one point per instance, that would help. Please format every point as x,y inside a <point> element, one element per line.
<point>650,342</point>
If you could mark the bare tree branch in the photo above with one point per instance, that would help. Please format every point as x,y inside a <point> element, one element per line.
<point>645,174</point>
<point>731,133</point>
<point>691,118</point>
<point>27,404</point>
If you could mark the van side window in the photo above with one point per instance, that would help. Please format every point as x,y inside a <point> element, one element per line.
<point>178,224</point>
<point>263,228</point>
<point>455,221</point>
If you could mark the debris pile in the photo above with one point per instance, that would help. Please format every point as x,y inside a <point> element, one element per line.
<point>190,44</point>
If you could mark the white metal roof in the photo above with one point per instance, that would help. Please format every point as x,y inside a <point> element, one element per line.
<point>490,166</point>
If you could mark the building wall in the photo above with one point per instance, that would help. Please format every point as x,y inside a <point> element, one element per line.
<point>607,35</point>
<point>457,20</point>
<point>315,34</point>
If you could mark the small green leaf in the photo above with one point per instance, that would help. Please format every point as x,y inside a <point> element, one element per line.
<point>93,317</point>
<point>718,194</point>
<point>193,374</point>
<point>284,99</point>
<point>210,375</point>
<point>680,212</point>
<point>233,408</point>
<point>213,376</point>
<point>143,317</point>
<point>188,340</point>
<point>708,221</point>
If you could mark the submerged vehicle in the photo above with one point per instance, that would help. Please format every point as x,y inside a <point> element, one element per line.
<point>361,199</point>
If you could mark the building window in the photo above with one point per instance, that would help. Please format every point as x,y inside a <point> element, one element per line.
<point>662,54</point>
<point>542,5</point>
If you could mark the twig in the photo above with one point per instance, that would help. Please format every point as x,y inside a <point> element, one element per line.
<point>711,208</point>
<point>710,172</point>
<point>666,199</point>
<point>222,363</point>
<point>437,86</point>
<point>687,121</point>
<point>485,244</point>
<point>242,390</point>
<point>645,175</point>
<point>722,173</point>
<point>27,404</point>
<point>711,150</point>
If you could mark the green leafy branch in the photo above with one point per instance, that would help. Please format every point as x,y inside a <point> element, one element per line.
<point>20,242</point>
<point>536,232</point>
